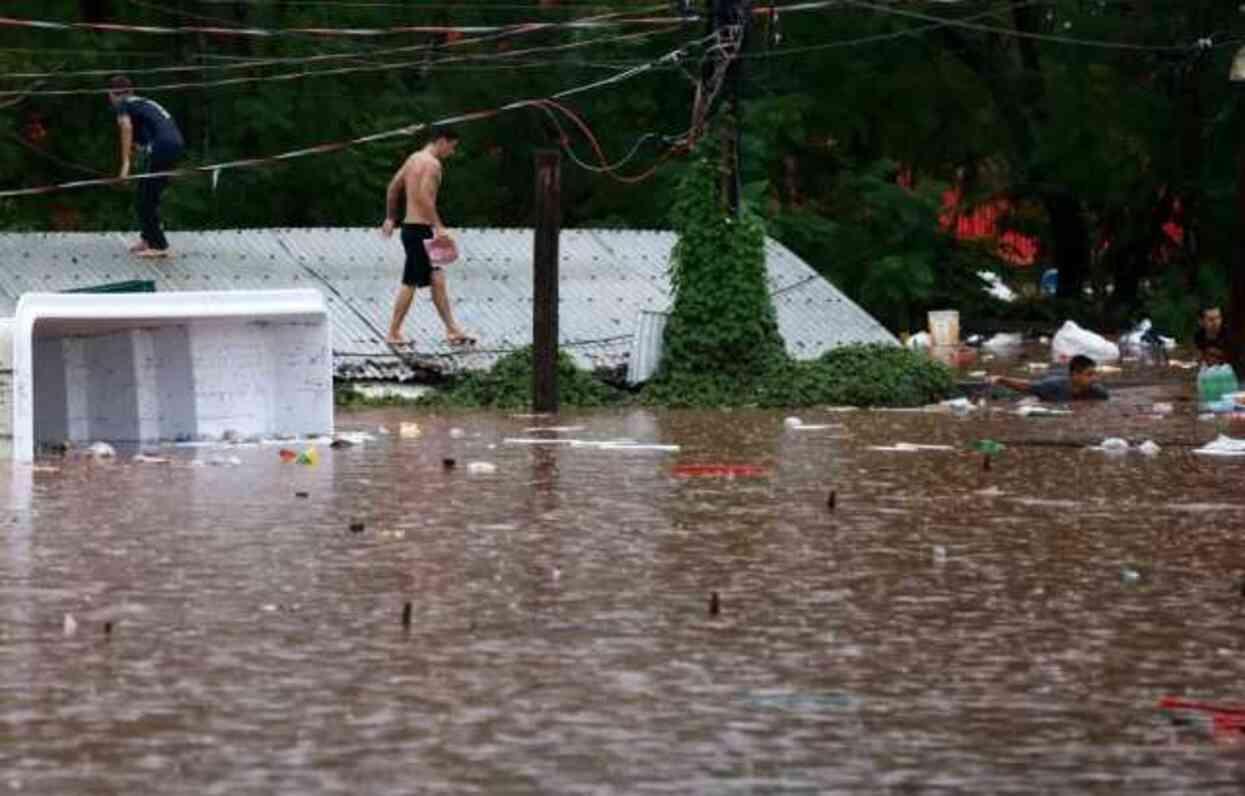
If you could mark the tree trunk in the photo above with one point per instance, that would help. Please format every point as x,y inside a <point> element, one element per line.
<point>1071,242</point>
<point>1236,288</point>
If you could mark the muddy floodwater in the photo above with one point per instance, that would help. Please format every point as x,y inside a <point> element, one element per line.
<point>183,628</point>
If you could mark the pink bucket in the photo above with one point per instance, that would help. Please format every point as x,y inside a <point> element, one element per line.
<point>441,251</point>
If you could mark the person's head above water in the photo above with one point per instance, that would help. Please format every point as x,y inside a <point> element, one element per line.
<point>1082,373</point>
<point>1211,320</point>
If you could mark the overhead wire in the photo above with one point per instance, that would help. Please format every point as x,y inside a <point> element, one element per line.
<point>371,67</point>
<point>253,32</point>
<point>312,59</point>
<point>325,148</point>
<point>968,24</point>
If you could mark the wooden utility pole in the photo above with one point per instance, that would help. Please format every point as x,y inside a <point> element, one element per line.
<point>545,281</point>
<point>723,14</point>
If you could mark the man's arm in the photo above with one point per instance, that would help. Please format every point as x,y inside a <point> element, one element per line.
<point>391,200</point>
<point>127,142</point>
<point>1019,385</point>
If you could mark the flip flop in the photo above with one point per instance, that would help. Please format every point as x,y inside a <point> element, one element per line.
<point>462,340</point>
<point>153,254</point>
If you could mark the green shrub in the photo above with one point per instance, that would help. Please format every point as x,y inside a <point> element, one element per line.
<point>508,385</point>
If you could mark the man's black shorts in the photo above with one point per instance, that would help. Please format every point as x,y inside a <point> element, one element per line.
<point>418,270</point>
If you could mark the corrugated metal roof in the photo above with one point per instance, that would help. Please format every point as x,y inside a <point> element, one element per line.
<point>609,281</point>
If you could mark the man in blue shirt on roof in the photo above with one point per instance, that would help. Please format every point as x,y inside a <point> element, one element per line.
<point>145,123</point>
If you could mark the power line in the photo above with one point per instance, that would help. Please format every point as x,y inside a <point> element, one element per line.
<point>321,149</point>
<point>371,67</point>
<point>1021,34</point>
<point>216,30</point>
<point>299,60</point>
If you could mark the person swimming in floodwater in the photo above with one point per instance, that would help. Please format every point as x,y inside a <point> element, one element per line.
<point>1081,383</point>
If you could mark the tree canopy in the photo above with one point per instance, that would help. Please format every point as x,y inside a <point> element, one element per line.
<point>1108,128</point>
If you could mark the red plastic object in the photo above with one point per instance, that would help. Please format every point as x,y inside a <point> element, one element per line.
<point>1176,703</point>
<point>442,251</point>
<point>287,455</point>
<point>719,471</point>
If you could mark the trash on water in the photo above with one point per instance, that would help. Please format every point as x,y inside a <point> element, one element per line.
<point>792,422</point>
<point>1223,446</point>
<point>1149,448</point>
<point>1004,341</point>
<point>481,468</point>
<point>70,625</point>
<point>224,461</point>
<point>555,429</point>
<point>718,471</point>
<point>355,437</point>
<point>143,458</point>
<point>1162,409</point>
<point>309,457</point>
<point>287,455</point>
<point>630,446</point>
<point>988,446</point>
<point>1144,335</point>
<point>457,433</point>
<point>1071,340</point>
<point>1113,445</point>
<point>1031,410</point>
<point>341,443</point>
<point>944,328</point>
<point>940,554</point>
<point>1129,575</point>
<point>409,430</point>
<point>910,447</point>
<point>101,450</point>
<point>959,406</point>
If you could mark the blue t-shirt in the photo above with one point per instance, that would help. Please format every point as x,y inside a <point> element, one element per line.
<point>1058,389</point>
<point>153,125</point>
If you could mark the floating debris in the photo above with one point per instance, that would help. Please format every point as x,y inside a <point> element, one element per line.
<point>481,468</point>
<point>910,447</point>
<point>719,471</point>
<point>409,430</point>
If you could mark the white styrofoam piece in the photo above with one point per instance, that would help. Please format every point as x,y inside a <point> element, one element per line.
<point>150,366</point>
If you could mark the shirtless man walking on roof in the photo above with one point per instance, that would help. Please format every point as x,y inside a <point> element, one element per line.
<point>420,178</point>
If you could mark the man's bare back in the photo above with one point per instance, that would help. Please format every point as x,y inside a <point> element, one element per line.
<point>421,178</point>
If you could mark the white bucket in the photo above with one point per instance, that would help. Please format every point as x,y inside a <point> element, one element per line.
<point>944,327</point>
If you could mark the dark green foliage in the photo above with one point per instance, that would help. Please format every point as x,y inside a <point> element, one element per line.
<point>1112,131</point>
<point>723,321</point>
<point>508,385</point>
<point>722,346</point>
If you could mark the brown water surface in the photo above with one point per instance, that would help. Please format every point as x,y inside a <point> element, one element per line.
<point>943,628</point>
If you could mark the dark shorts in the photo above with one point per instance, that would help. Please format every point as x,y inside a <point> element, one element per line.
<point>418,270</point>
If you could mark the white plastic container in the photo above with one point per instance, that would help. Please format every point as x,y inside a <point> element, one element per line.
<point>944,327</point>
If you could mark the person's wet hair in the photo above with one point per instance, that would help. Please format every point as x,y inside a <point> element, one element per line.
<point>1206,307</point>
<point>1081,363</point>
<point>443,133</point>
<point>120,84</point>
